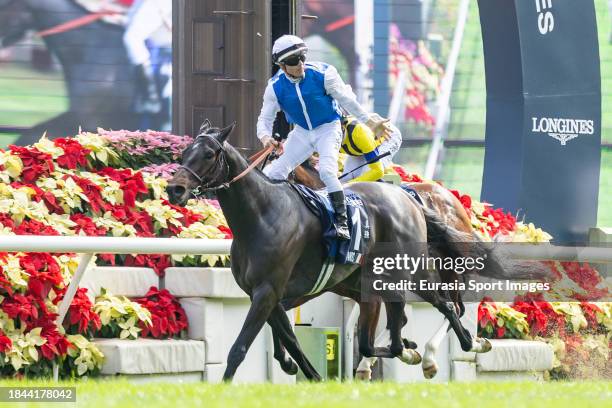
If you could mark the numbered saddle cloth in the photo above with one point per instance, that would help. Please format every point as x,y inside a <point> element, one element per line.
<point>342,252</point>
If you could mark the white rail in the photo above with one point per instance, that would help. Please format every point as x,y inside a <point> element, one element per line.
<point>443,103</point>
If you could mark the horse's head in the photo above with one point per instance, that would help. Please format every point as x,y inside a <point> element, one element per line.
<point>203,164</point>
<point>15,20</point>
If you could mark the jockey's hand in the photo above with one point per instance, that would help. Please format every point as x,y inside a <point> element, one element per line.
<point>269,141</point>
<point>380,126</point>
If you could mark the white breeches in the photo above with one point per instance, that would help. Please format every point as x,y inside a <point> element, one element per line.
<point>300,145</point>
<point>392,145</point>
<point>147,20</point>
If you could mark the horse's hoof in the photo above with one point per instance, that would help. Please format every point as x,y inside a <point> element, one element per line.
<point>292,369</point>
<point>363,375</point>
<point>410,356</point>
<point>430,372</point>
<point>409,344</point>
<point>481,345</point>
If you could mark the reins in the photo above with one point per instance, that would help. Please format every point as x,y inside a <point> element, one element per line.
<point>254,160</point>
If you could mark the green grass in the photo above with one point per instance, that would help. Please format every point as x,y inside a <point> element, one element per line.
<point>28,97</point>
<point>108,394</point>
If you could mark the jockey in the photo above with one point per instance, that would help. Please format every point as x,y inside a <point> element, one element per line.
<point>147,20</point>
<point>308,94</point>
<point>361,145</point>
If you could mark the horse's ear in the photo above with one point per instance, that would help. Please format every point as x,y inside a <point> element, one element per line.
<point>204,126</point>
<point>224,133</point>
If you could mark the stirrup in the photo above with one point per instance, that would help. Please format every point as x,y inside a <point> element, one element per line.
<point>342,233</point>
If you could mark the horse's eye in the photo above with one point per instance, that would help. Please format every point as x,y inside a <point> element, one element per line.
<point>209,155</point>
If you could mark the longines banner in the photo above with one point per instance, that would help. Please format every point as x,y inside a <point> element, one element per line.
<point>543,130</point>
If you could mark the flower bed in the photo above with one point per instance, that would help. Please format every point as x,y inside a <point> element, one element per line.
<point>580,332</point>
<point>81,186</point>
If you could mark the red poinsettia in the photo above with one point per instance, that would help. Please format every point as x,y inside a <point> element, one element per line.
<point>20,306</point>
<point>6,220</point>
<point>189,217</point>
<point>583,274</point>
<point>86,225</point>
<point>590,313</point>
<point>465,199</point>
<point>5,343</point>
<point>74,153</point>
<point>39,194</point>
<point>35,163</point>
<point>81,314</point>
<point>167,315</point>
<point>485,316</point>
<point>407,178</point>
<point>56,344</point>
<point>44,273</point>
<point>502,224</point>
<point>140,220</point>
<point>226,231</point>
<point>131,183</point>
<point>33,227</point>
<point>158,262</point>
<point>92,192</point>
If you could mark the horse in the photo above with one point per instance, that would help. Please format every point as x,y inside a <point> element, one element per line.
<point>94,61</point>
<point>277,249</point>
<point>451,212</point>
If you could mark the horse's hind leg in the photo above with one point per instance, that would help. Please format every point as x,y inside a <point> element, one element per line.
<point>396,319</point>
<point>263,302</point>
<point>281,328</point>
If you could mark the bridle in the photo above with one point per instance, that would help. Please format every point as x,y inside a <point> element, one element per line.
<point>221,163</point>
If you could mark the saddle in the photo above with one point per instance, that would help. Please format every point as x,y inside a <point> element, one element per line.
<point>341,252</point>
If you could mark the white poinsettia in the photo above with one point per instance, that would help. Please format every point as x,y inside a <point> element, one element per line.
<point>13,166</point>
<point>14,272</point>
<point>161,214</point>
<point>23,350</point>
<point>99,147</point>
<point>529,233</point>
<point>47,146</point>
<point>123,312</point>
<point>117,228</point>
<point>88,356</point>
<point>157,184</point>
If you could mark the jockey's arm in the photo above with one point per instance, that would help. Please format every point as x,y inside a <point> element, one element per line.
<point>268,112</point>
<point>343,94</point>
<point>364,140</point>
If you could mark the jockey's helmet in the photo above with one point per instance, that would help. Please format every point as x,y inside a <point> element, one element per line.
<point>286,46</point>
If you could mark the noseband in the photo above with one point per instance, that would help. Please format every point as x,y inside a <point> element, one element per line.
<point>220,161</point>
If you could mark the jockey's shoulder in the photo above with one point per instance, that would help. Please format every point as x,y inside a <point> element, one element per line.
<point>318,66</point>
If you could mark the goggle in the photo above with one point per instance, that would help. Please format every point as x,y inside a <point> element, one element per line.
<point>294,60</point>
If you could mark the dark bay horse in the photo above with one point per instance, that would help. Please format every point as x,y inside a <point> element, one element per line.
<point>97,73</point>
<point>277,251</point>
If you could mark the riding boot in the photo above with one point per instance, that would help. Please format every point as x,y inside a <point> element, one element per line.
<point>342,230</point>
<point>148,100</point>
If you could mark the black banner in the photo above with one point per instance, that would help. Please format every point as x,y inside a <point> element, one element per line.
<point>543,133</point>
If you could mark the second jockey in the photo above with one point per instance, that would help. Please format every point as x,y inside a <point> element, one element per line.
<point>309,95</point>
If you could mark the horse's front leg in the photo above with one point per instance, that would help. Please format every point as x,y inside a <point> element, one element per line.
<point>281,327</point>
<point>286,363</point>
<point>263,300</point>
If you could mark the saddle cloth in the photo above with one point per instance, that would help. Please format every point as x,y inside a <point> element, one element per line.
<point>341,252</point>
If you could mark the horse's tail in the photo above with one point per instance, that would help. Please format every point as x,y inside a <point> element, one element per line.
<point>445,240</point>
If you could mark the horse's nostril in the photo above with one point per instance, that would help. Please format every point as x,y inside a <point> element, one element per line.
<point>175,191</point>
